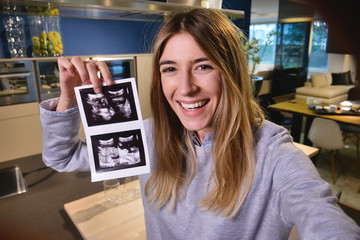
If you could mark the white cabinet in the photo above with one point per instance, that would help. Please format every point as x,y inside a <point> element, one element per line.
<point>20,131</point>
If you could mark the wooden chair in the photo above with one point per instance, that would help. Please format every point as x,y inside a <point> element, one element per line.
<point>326,134</point>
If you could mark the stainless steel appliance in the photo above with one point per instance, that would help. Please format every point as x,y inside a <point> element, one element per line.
<point>17,84</point>
<point>48,73</point>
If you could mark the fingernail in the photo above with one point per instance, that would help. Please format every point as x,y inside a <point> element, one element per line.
<point>97,90</point>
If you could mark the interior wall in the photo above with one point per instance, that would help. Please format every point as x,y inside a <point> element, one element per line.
<point>342,63</point>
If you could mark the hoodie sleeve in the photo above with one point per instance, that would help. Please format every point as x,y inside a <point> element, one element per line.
<point>62,148</point>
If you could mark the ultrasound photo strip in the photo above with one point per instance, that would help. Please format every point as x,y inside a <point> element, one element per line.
<point>114,130</point>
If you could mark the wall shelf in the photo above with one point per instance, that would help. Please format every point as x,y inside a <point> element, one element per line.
<point>136,10</point>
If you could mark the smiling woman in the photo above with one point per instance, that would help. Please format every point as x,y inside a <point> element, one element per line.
<point>199,61</point>
<point>218,169</point>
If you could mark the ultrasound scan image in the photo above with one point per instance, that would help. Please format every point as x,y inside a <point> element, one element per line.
<point>120,102</point>
<point>100,109</point>
<point>118,151</point>
<point>115,104</point>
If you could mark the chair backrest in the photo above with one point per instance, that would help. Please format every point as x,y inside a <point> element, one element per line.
<point>326,133</point>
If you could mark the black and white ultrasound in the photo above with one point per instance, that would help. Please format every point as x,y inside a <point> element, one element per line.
<point>118,150</point>
<point>115,104</point>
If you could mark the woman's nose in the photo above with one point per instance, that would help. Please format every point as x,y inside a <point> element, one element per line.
<point>187,84</point>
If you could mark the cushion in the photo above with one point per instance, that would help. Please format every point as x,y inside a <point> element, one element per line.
<point>350,81</point>
<point>325,92</point>
<point>320,80</point>
<point>343,78</point>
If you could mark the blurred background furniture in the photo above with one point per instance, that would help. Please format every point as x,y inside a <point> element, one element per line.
<point>326,134</point>
<point>354,94</point>
<point>326,87</point>
<point>300,110</point>
<point>349,129</point>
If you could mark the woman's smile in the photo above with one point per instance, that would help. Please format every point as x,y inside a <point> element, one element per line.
<point>193,106</point>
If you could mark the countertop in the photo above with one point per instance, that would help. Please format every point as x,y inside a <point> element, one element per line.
<point>39,213</point>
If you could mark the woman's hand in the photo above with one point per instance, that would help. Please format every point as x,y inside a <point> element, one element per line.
<point>75,73</point>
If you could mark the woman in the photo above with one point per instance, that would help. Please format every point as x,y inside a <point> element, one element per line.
<point>218,169</point>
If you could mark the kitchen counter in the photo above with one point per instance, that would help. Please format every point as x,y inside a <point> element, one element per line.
<point>39,213</point>
<point>85,56</point>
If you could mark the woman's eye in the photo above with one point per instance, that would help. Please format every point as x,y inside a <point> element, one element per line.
<point>205,67</point>
<point>168,69</point>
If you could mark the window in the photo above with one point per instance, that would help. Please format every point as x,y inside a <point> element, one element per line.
<point>260,32</point>
<point>319,57</point>
<point>318,61</point>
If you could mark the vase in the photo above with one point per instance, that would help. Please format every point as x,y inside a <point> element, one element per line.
<point>45,32</point>
<point>15,35</point>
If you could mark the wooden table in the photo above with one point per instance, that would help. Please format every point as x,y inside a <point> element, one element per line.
<point>300,109</point>
<point>95,221</point>
<point>308,150</point>
<point>126,221</point>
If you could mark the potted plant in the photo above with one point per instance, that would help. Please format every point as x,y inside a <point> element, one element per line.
<point>252,50</point>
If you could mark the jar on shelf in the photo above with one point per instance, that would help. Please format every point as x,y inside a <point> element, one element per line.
<point>15,32</point>
<point>45,32</point>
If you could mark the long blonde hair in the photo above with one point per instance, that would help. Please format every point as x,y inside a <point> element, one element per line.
<point>235,120</point>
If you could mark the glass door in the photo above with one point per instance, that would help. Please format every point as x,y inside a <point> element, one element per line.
<point>292,56</point>
<point>48,77</point>
<point>17,83</point>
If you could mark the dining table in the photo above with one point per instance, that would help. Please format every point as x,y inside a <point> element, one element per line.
<point>300,109</point>
<point>94,219</point>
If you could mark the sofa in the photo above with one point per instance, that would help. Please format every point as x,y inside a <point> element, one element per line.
<point>326,88</point>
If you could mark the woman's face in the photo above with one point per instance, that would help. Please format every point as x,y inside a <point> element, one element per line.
<point>191,83</point>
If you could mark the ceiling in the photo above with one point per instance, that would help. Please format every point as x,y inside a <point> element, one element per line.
<point>264,10</point>
<point>264,6</point>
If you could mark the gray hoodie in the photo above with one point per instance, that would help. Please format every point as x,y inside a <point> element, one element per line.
<point>287,189</point>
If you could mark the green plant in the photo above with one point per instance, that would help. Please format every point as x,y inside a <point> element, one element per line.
<point>252,50</point>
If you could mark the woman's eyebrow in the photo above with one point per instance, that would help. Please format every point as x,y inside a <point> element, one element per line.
<point>166,62</point>
<point>201,60</point>
<point>204,59</point>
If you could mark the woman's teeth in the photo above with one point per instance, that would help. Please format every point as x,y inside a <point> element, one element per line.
<point>192,106</point>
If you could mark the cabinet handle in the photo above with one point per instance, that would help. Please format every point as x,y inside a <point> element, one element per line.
<point>11,75</point>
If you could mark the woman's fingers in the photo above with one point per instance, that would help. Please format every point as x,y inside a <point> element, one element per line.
<point>104,70</point>
<point>93,68</point>
<point>87,72</point>
<point>81,69</point>
<point>65,65</point>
